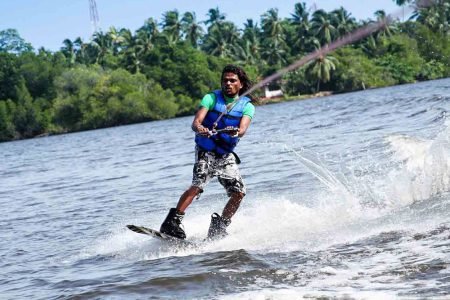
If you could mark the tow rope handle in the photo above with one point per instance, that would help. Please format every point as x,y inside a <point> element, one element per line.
<point>224,130</point>
<point>212,132</point>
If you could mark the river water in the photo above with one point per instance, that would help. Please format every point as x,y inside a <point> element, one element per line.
<point>348,198</point>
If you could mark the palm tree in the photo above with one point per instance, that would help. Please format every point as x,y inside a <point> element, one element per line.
<point>322,26</point>
<point>81,51</point>
<point>136,47</point>
<point>321,68</point>
<point>300,18</point>
<point>300,13</point>
<point>251,31</point>
<point>103,45</point>
<point>150,27</point>
<point>300,21</point>
<point>387,27</point>
<point>116,39</point>
<point>244,53</point>
<point>436,16</point>
<point>220,41</point>
<point>273,38</point>
<point>127,38</point>
<point>343,21</point>
<point>274,54</point>
<point>132,60</point>
<point>143,42</point>
<point>192,29</point>
<point>370,46</point>
<point>251,38</point>
<point>272,25</point>
<point>69,51</point>
<point>215,44</point>
<point>215,18</point>
<point>172,26</point>
<point>147,35</point>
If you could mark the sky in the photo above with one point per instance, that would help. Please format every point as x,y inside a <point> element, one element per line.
<point>47,23</point>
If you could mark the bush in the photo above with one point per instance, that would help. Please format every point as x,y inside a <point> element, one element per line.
<point>184,70</point>
<point>402,60</point>
<point>356,71</point>
<point>7,131</point>
<point>92,98</point>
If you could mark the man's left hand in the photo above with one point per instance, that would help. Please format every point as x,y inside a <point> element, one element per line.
<point>233,131</point>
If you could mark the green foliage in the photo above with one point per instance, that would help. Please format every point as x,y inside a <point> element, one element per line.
<point>356,71</point>
<point>7,131</point>
<point>94,98</point>
<point>297,82</point>
<point>321,69</point>
<point>28,118</point>
<point>401,60</point>
<point>11,42</point>
<point>433,46</point>
<point>39,72</point>
<point>9,76</point>
<point>432,70</point>
<point>164,68</point>
<point>186,105</point>
<point>184,70</point>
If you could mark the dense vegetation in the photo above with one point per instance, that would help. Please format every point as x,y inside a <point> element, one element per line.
<point>162,69</point>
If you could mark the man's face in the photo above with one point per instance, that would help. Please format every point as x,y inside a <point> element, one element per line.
<point>231,85</point>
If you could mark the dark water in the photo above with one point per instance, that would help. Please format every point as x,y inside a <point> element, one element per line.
<point>348,197</point>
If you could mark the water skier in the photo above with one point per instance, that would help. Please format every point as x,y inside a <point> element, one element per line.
<point>221,120</point>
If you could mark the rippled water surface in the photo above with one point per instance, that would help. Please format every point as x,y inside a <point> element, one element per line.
<point>348,197</point>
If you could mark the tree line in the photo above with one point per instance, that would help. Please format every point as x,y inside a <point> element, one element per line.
<point>162,69</point>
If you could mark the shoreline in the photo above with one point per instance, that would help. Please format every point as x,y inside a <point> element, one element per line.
<point>288,98</point>
<point>258,102</point>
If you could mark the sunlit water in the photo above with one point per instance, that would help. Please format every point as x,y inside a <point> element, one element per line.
<point>348,197</point>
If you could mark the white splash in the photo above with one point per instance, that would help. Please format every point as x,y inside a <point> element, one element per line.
<point>337,214</point>
<point>424,168</point>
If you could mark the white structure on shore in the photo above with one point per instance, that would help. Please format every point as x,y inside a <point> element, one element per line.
<point>272,94</point>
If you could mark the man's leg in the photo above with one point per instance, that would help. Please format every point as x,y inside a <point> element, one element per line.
<point>230,178</point>
<point>200,178</point>
<point>187,197</point>
<point>217,228</point>
<point>172,223</point>
<point>232,206</point>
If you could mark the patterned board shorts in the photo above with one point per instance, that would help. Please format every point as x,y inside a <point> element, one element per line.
<point>208,165</point>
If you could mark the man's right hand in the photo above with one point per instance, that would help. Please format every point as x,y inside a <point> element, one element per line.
<point>202,130</point>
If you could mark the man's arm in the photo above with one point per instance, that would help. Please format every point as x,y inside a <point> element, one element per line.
<point>243,126</point>
<point>198,119</point>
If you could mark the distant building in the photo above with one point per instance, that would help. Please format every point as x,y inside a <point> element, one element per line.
<point>272,94</point>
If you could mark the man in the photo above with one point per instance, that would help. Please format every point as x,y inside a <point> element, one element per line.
<point>223,117</point>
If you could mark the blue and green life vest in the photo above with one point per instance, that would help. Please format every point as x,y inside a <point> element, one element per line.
<point>222,143</point>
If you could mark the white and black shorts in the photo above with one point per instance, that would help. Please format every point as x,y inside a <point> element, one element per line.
<point>225,167</point>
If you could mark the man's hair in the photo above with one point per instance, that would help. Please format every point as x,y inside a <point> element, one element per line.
<point>246,82</point>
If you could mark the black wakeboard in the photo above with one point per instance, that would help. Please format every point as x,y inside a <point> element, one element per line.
<point>159,235</point>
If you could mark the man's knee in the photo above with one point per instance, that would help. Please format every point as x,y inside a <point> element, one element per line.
<point>194,190</point>
<point>237,195</point>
